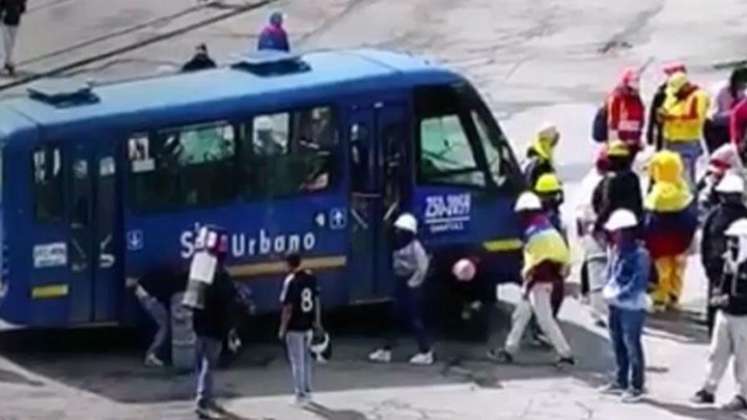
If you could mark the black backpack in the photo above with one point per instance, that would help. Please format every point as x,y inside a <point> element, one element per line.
<point>599,127</point>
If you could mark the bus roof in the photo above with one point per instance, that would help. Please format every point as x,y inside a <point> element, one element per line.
<point>330,72</point>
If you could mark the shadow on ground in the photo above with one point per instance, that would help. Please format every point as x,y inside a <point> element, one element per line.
<point>108,362</point>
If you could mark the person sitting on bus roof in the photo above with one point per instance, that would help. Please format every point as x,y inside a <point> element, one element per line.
<point>200,61</point>
<point>154,291</point>
<point>539,160</point>
<point>274,36</point>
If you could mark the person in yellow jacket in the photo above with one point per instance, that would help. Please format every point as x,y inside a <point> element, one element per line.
<point>683,117</point>
<point>546,262</point>
<point>669,226</point>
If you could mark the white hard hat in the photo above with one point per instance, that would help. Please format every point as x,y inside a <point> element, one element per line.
<point>407,222</point>
<point>263,123</point>
<point>621,219</point>
<point>738,228</point>
<point>730,184</point>
<point>464,270</point>
<point>528,201</point>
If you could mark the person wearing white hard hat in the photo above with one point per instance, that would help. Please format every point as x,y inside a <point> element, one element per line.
<point>730,332</point>
<point>730,207</point>
<point>410,264</point>
<point>546,260</point>
<point>625,293</point>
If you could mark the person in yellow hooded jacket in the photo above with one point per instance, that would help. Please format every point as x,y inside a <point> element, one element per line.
<point>540,154</point>
<point>671,220</point>
<point>683,118</point>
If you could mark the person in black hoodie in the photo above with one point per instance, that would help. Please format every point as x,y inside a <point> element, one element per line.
<point>200,61</point>
<point>212,323</point>
<point>621,187</point>
<point>730,332</point>
<point>11,11</point>
<point>713,243</point>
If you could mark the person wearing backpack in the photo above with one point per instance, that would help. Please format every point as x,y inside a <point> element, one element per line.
<point>626,112</point>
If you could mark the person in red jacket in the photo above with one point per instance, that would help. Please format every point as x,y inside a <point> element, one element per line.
<point>626,112</point>
<point>738,126</point>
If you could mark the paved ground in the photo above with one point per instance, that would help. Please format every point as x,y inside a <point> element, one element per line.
<point>545,59</point>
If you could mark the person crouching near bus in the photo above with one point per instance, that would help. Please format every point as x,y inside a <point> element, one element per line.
<point>625,292</point>
<point>713,245</point>
<point>212,308</point>
<point>410,263</point>
<point>671,220</point>
<point>301,316</point>
<point>154,292</point>
<point>730,332</point>
<point>594,242</point>
<point>546,261</point>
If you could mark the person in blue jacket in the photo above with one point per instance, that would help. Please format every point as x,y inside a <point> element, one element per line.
<point>274,36</point>
<point>625,293</point>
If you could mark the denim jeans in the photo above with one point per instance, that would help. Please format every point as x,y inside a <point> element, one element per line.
<point>160,316</point>
<point>208,352</point>
<point>300,359</point>
<point>407,313</point>
<point>626,328</point>
<point>689,152</point>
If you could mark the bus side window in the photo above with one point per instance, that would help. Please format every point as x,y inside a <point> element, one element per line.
<point>48,184</point>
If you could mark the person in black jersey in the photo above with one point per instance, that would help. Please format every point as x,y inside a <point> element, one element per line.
<point>301,315</point>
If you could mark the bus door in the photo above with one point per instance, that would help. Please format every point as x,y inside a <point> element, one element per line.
<point>93,245</point>
<point>375,134</point>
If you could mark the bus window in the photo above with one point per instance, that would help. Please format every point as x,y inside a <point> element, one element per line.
<point>359,171</point>
<point>186,166</point>
<point>446,156</point>
<point>48,184</point>
<point>290,153</point>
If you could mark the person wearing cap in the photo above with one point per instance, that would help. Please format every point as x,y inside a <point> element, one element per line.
<point>620,188</point>
<point>540,154</point>
<point>212,312</point>
<point>683,117</point>
<point>654,133</point>
<point>730,207</point>
<point>729,338</point>
<point>625,293</point>
<point>669,227</point>
<point>626,111</point>
<point>410,264</point>
<point>594,243</point>
<point>722,161</point>
<point>546,260</point>
<point>273,36</point>
<point>550,192</point>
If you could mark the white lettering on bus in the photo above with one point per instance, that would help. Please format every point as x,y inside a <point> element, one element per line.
<point>243,245</point>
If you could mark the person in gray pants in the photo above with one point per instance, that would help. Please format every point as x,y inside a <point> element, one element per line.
<point>301,315</point>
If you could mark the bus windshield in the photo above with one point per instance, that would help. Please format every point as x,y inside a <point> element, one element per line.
<point>459,143</point>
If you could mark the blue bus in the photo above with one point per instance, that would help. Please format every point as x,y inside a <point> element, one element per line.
<point>316,153</point>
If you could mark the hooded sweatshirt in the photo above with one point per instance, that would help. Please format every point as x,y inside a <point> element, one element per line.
<point>539,159</point>
<point>410,260</point>
<point>628,277</point>
<point>671,217</point>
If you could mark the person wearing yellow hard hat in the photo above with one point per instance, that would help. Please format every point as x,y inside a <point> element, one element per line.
<point>683,118</point>
<point>550,192</point>
<point>671,220</point>
<point>540,157</point>
<point>620,188</point>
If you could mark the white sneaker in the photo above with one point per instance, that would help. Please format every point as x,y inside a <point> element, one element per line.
<point>152,361</point>
<point>423,359</point>
<point>381,356</point>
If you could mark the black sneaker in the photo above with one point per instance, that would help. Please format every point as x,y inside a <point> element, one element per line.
<point>500,356</point>
<point>703,397</point>
<point>565,361</point>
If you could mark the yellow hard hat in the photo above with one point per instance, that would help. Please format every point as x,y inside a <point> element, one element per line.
<point>548,183</point>
<point>618,148</point>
